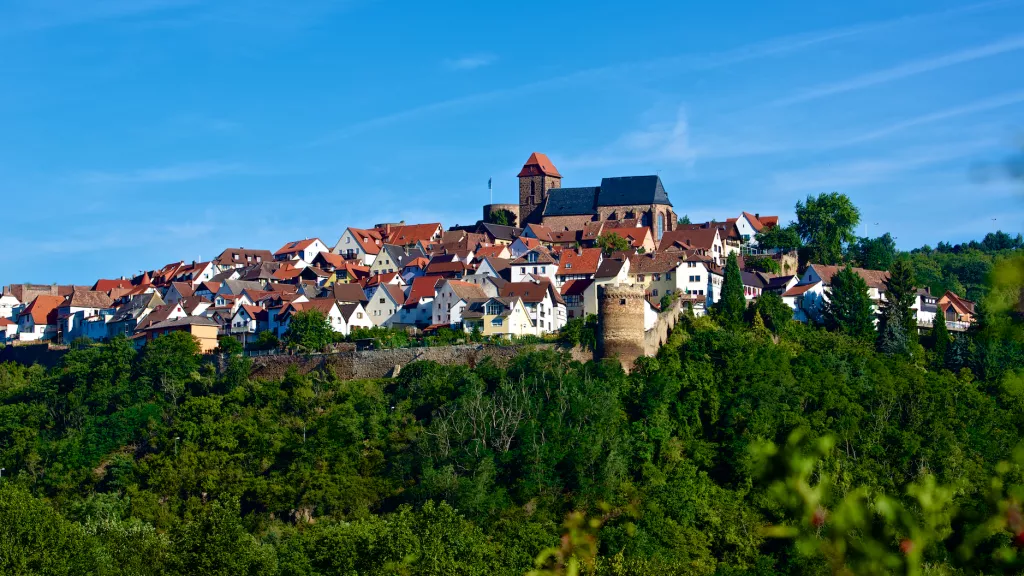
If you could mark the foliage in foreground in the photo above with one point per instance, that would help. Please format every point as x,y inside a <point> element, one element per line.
<point>152,463</point>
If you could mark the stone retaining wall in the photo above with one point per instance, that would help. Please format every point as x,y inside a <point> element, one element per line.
<point>383,363</point>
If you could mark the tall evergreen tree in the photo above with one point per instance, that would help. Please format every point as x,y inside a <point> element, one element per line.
<point>940,339</point>
<point>849,309</point>
<point>733,303</point>
<point>900,294</point>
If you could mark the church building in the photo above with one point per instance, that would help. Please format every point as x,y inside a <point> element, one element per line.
<point>542,200</point>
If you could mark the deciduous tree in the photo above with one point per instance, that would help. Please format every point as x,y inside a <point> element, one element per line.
<point>826,223</point>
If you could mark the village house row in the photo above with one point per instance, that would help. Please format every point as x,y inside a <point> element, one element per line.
<point>526,278</point>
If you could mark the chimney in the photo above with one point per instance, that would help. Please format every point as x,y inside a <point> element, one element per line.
<point>756,215</point>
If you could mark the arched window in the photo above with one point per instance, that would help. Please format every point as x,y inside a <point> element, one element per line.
<point>646,220</point>
<point>661,225</point>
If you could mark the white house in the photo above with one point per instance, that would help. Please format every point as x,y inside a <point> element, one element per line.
<point>543,302</point>
<point>611,271</point>
<point>354,316</point>
<point>452,298</point>
<point>385,303</point>
<point>247,322</point>
<point>522,245</point>
<point>419,303</point>
<point>79,307</point>
<point>8,330</point>
<point>359,244</point>
<point>806,300</point>
<point>538,262</point>
<point>10,306</point>
<point>38,321</point>
<point>304,250</point>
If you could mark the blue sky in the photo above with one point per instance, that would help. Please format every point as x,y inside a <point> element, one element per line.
<point>139,132</point>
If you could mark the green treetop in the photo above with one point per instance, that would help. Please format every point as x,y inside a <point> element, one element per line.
<point>849,309</point>
<point>826,223</point>
<point>733,303</point>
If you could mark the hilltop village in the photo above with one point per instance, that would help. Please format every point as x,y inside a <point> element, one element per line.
<point>525,269</point>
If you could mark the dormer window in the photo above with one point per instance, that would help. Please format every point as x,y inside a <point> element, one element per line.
<point>531,257</point>
<point>568,265</point>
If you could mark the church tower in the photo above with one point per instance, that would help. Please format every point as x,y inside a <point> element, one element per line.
<point>535,179</point>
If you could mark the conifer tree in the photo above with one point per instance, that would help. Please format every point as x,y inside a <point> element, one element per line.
<point>731,305</point>
<point>849,309</point>
<point>940,338</point>
<point>900,294</point>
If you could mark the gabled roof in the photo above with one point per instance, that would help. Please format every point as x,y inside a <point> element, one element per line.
<point>800,289</point>
<point>422,287</point>
<point>88,299</point>
<point>500,232</point>
<point>184,288</point>
<point>192,303</point>
<point>43,309</point>
<point>210,285</point>
<point>531,292</point>
<point>348,293</point>
<point>539,164</point>
<point>873,278</point>
<point>751,279</point>
<point>543,257</point>
<point>296,246</point>
<point>583,261</point>
<point>959,304</point>
<point>182,322</point>
<point>575,287</point>
<point>159,314</point>
<point>108,285</point>
<point>530,243</point>
<point>412,233</point>
<point>498,264</point>
<point>655,262</point>
<point>237,286</point>
<point>396,292</point>
<point>636,236</point>
<point>609,268</point>
<point>572,201</point>
<point>369,240</point>
<point>466,290</point>
<point>478,308</point>
<point>702,238</point>
<point>490,252</point>
<point>758,222</point>
<point>329,259</point>
<point>232,256</point>
<point>137,307</point>
<point>5,322</point>
<point>539,231</point>
<point>347,310</point>
<point>778,282</point>
<point>632,190</point>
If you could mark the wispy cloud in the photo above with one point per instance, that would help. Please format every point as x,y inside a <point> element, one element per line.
<point>162,175</point>
<point>744,53</point>
<point>983,105</point>
<point>906,70</point>
<point>470,62</point>
<point>661,142</point>
<point>858,172</point>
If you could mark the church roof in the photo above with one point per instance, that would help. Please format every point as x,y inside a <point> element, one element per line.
<point>571,201</point>
<point>538,164</point>
<point>632,190</point>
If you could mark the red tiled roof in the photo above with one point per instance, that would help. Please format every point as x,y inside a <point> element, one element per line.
<point>108,285</point>
<point>43,309</point>
<point>542,233</point>
<point>422,287</point>
<point>873,278</point>
<point>575,287</point>
<point>636,236</point>
<point>537,164</point>
<point>412,233</point>
<point>232,256</point>
<point>584,261</point>
<point>369,240</point>
<point>800,289</point>
<point>5,322</point>
<point>296,246</point>
<point>381,278</point>
<point>491,252</point>
<point>703,238</point>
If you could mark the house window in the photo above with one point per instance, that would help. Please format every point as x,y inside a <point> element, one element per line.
<point>622,302</point>
<point>668,275</point>
<point>534,269</point>
<point>493,308</point>
<point>639,277</point>
<point>531,257</point>
<point>522,270</point>
<point>496,322</point>
<point>654,292</point>
<point>656,277</point>
<point>543,269</point>
<point>568,265</point>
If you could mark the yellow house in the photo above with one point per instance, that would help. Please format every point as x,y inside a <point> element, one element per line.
<point>498,316</point>
<point>658,273</point>
<point>204,330</point>
<point>393,259</point>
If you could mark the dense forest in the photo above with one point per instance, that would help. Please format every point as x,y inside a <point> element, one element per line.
<point>750,445</point>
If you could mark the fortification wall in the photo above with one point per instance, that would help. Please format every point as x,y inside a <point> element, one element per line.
<point>621,331</point>
<point>46,355</point>
<point>620,313</point>
<point>385,363</point>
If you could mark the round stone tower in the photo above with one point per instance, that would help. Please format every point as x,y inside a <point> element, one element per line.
<point>620,312</point>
